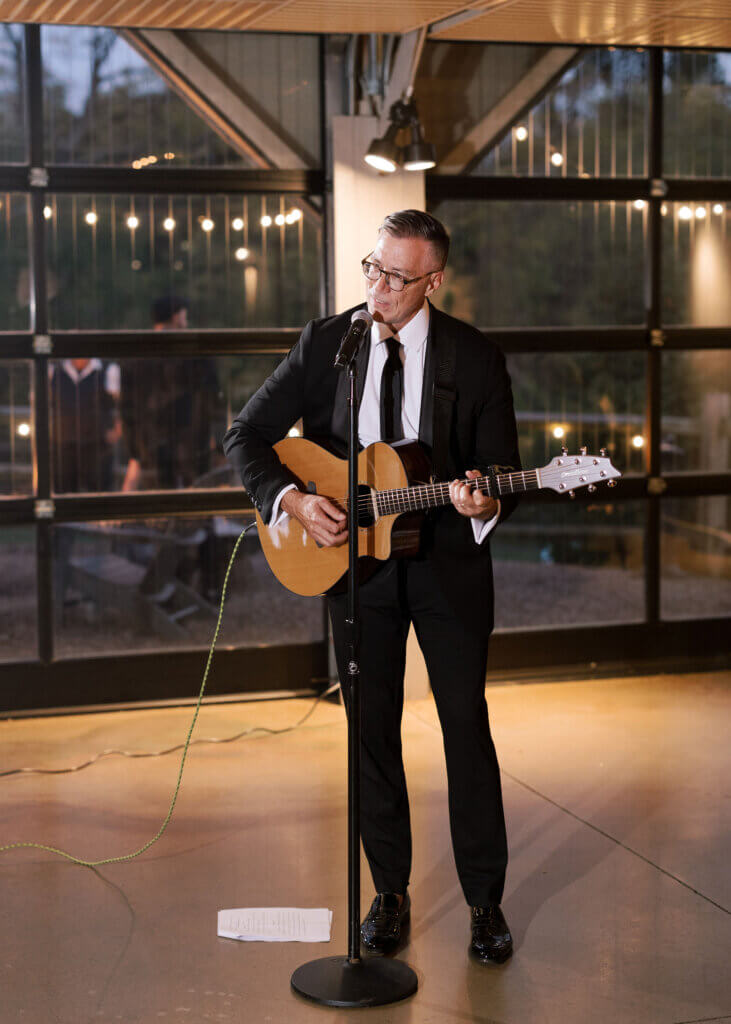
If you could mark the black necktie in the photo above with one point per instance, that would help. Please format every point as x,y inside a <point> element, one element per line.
<point>392,386</point>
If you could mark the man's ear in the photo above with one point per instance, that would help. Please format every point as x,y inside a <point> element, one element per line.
<point>435,282</point>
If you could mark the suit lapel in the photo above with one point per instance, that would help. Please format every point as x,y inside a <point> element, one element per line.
<point>426,414</point>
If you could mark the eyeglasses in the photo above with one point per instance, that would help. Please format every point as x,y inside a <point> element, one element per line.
<point>396,282</point>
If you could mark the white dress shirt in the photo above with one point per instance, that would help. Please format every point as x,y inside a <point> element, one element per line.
<point>413,338</point>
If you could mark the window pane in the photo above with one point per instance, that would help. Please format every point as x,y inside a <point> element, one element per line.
<point>12,95</point>
<point>113,256</point>
<point>549,264</point>
<point>697,264</point>
<point>17,593</point>
<point>697,123</point>
<point>14,268</point>
<point>591,123</point>
<point>108,104</point>
<point>156,584</point>
<point>16,428</point>
<point>696,411</point>
<point>147,424</point>
<point>595,399</point>
<point>696,558</point>
<point>569,565</point>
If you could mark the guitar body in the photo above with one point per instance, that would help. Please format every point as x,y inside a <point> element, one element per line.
<point>302,565</point>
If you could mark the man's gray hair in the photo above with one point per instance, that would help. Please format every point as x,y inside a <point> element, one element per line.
<point>417,224</point>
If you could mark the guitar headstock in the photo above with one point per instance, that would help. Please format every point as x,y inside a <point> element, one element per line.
<point>566,473</point>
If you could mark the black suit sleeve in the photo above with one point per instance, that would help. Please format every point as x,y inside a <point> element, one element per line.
<point>265,419</point>
<point>496,435</point>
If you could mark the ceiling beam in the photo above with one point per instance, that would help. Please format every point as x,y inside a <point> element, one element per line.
<point>520,98</point>
<point>213,100</point>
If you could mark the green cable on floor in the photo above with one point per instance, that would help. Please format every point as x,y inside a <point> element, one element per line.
<point>168,816</point>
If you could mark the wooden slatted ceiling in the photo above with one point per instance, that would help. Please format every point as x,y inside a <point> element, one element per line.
<point>622,22</point>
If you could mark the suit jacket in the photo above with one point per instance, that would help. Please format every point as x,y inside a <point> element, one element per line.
<point>482,433</point>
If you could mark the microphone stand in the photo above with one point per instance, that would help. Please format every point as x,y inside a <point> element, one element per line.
<point>350,981</point>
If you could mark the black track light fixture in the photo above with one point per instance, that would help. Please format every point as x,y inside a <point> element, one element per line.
<point>386,155</point>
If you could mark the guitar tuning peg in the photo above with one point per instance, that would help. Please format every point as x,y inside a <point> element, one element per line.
<point>572,494</point>
<point>591,488</point>
<point>603,452</point>
<point>564,450</point>
<point>583,449</point>
<point>611,483</point>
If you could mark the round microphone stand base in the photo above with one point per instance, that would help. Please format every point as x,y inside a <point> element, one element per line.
<point>338,981</point>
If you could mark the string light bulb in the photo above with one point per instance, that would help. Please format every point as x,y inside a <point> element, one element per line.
<point>640,204</point>
<point>718,208</point>
<point>90,217</point>
<point>556,159</point>
<point>558,432</point>
<point>169,224</point>
<point>521,133</point>
<point>266,221</point>
<point>685,213</point>
<point>47,212</point>
<point>207,224</point>
<point>133,222</point>
<point>279,220</point>
<point>700,212</point>
<point>237,224</point>
<point>638,441</point>
<point>24,429</point>
<point>241,254</point>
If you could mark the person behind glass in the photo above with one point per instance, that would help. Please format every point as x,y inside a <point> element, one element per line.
<point>84,424</point>
<point>446,591</point>
<point>172,412</point>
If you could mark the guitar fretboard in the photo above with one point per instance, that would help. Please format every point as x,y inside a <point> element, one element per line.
<point>423,496</point>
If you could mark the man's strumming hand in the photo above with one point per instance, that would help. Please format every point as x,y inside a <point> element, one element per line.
<point>322,520</point>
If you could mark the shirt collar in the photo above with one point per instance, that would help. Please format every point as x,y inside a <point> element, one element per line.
<point>413,335</point>
<point>91,366</point>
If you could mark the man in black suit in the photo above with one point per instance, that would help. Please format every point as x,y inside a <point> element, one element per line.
<point>421,374</point>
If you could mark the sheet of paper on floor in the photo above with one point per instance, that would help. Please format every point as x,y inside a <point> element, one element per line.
<point>275,924</point>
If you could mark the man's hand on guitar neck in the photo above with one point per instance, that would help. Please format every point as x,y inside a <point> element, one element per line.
<point>469,501</point>
<point>324,522</point>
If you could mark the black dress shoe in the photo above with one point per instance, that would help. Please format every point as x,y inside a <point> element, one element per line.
<point>381,929</point>
<point>492,942</point>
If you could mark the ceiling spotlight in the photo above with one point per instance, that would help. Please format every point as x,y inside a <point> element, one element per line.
<point>90,217</point>
<point>685,213</point>
<point>133,222</point>
<point>241,254</point>
<point>556,159</point>
<point>237,224</point>
<point>385,154</point>
<point>717,208</point>
<point>169,224</point>
<point>207,224</point>
<point>279,220</point>
<point>640,204</point>
<point>266,221</point>
<point>521,133</point>
<point>700,212</point>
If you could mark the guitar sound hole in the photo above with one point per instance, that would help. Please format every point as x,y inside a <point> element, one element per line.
<point>365,507</point>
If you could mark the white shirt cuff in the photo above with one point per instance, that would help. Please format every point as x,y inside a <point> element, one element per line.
<point>278,516</point>
<point>482,527</point>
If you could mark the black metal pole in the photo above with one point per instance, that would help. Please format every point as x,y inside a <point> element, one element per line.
<point>353,679</point>
<point>337,980</point>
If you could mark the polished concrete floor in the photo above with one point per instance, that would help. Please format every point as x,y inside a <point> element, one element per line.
<point>616,795</point>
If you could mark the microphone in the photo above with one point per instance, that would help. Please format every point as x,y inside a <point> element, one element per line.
<point>360,323</point>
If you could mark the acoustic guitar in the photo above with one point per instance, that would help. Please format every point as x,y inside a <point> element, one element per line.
<point>394,491</point>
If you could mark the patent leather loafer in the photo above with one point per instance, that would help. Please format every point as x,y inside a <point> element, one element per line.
<point>381,929</point>
<point>492,942</point>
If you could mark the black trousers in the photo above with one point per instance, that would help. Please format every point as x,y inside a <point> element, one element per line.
<point>405,591</point>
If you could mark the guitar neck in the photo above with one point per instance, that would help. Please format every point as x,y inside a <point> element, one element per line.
<point>423,496</point>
